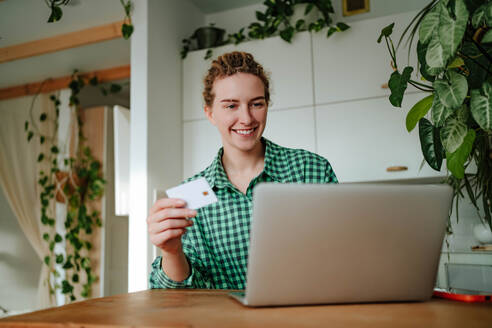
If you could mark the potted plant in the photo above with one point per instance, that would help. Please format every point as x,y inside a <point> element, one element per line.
<point>454,52</point>
<point>283,16</point>
<point>208,36</point>
<point>77,186</point>
<point>57,13</point>
<point>203,37</point>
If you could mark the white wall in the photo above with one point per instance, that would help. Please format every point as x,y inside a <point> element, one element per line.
<point>234,19</point>
<point>156,140</point>
<point>115,229</point>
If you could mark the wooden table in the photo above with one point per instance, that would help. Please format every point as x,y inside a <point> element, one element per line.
<point>212,308</point>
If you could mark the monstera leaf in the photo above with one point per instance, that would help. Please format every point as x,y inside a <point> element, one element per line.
<point>483,15</point>
<point>429,24</point>
<point>435,56</point>
<point>452,25</point>
<point>456,161</point>
<point>423,67</point>
<point>453,133</point>
<point>452,93</point>
<point>398,84</point>
<point>481,106</point>
<point>439,112</point>
<point>431,144</point>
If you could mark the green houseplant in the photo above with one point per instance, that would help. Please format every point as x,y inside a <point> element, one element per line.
<point>203,37</point>
<point>454,52</point>
<point>278,17</point>
<point>57,13</point>
<point>77,187</point>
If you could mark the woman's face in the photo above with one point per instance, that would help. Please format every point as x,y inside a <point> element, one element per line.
<point>239,110</point>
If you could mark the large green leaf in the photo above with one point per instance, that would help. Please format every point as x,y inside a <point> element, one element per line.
<point>488,14</point>
<point>456,161</point>
<point>56,14</point>
<point>452,93</point>
<point>429,24</point>
<point>452,134</point>
<point>452,25</point>
<point>386,31</point>
<point>439,112</point>
<point>474,62</point>
<point>463,113</point>
<point>398,84</point>
<point>418,111</point>
<point>487,38</point>
<point>430,144</point>
<point>481,106</point>
<point>435,56</point>
<point>478,17</point>
<point>423,67</point>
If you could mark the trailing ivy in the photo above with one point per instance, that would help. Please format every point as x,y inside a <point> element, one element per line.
<point>85,184</point>
<point>454,52</point>
<point>127,27</point>
<point>57,13</point>
<point>276,19</point>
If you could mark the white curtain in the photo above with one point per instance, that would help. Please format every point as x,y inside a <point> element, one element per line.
<point>19,171</point>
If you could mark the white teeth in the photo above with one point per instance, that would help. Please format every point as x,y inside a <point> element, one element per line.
<point>244,131</point>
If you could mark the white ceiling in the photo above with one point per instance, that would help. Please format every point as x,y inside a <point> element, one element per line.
<point>26,20</point>
<point>96,56</point>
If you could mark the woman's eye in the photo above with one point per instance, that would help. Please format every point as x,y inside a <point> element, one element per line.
<point>231,106</point>
<point>258,105</point>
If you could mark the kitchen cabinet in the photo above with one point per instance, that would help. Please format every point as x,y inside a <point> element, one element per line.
<point>292,128</point>
<point>361,139</point>
<point>352,65</point>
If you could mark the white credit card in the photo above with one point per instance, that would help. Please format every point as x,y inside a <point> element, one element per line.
<point>196,193</point>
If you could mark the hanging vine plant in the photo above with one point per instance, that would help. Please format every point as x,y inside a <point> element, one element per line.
<point>57,13</point>
<point>278,18</point>
<point>77,187</point>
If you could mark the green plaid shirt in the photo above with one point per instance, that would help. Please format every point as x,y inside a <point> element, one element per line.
<point>217,244</point>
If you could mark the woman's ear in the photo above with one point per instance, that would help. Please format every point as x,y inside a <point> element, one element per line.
<point>208,112</point>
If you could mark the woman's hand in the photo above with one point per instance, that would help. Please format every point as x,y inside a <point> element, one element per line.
<point>167,222</point>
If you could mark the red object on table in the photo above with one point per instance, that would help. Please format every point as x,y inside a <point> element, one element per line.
<point>469,298</point>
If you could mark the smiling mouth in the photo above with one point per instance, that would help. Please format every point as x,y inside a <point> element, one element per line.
<point>245,132</point>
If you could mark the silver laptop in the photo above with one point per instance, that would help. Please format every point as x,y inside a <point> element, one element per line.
<point>346,243</point>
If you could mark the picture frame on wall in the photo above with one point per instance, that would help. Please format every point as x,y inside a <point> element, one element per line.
<point>354,7</point>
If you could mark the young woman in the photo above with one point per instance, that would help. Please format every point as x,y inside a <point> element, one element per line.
<point>211,250</point>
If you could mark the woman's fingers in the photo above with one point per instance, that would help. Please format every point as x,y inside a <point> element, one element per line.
<point>165,203</point>
<point>163,237</point>
<point>169,224</point>
<point>166,222</point>
<point>170,213</point>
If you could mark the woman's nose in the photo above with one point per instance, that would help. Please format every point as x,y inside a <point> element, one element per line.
<point>245,116</point>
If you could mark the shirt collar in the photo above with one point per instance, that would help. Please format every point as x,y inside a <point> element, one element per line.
<point>216,176</point>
